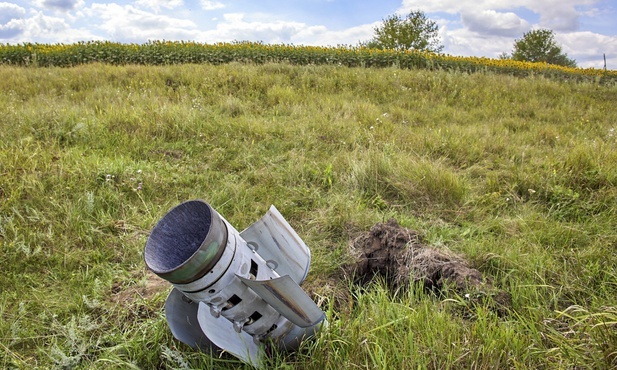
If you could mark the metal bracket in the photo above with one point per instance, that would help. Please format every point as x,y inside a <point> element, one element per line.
<point>286,296</point>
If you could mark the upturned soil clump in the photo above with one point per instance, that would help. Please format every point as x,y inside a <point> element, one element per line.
<point>399,256</point>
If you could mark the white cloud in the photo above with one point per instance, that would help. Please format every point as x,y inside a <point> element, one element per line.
<point>11,29</point>
<point>588,48</point>
<point>38,27</point>
<point>558,15</point>
<point>158,4</point>
<point>320,35</point>
<point>239,27</point>
<point>59,5</point>
<point>11,20</point>
<point>129,24</point>
<point>236,27</point>
<point>9,11</point>
<point>464,42</point>
<point>446,6</point>
<point>489,27</point>
<point>559,18</point>
<point>211,5</point>
<point>490,22</point>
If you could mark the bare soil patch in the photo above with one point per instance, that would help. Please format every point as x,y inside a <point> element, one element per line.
<point>127,294</point>
<point>399,255</point>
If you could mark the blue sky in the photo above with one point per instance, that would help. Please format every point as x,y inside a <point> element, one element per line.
<point>585,29</point>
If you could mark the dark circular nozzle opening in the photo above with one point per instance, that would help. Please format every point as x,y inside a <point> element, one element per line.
<point>186,243</point>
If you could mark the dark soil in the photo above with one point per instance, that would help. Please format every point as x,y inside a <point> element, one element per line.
<point>398,255</point>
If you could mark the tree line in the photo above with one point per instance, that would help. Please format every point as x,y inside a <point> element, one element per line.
<point>416,31</point>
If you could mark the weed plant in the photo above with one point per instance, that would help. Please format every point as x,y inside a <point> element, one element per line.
<point>517,175</point>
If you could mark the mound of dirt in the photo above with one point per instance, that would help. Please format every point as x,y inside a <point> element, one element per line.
<point>399,255</point>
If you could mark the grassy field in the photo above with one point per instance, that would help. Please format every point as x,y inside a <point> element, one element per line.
<point>517,175</point>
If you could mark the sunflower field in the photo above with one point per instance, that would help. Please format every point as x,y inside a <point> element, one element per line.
<point>183,52</point>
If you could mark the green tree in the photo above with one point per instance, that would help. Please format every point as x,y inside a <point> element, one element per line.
<point>540,46</point>
<point>412,32</point>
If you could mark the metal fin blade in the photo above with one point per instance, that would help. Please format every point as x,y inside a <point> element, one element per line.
<point>221,332</point>
<point>181,315</point>
<point>288,299</point>
<point>275,240</point>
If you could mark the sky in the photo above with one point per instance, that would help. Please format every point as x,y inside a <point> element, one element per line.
<point>585,29</point>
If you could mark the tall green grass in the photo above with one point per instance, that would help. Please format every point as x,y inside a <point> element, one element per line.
<point>518,175</point>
